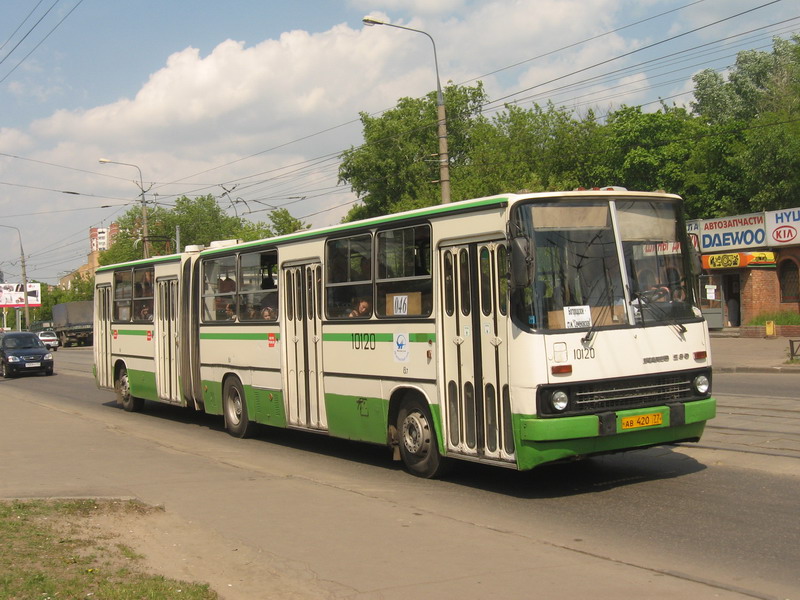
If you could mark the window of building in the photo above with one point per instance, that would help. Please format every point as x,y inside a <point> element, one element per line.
<point>348,279</point>
<point>404,286</point>
<point>789,279</point>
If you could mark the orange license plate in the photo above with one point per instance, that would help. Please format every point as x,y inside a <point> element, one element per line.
<point>642,421</point>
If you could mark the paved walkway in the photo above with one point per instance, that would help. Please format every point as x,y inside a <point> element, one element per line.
<point>749,355</point>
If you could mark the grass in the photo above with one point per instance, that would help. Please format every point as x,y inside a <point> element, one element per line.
<point>780,318</point>
<point>48,552</point>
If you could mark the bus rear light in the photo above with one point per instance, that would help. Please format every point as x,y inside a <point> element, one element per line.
<point>561,369</point>
<point>701,355</point>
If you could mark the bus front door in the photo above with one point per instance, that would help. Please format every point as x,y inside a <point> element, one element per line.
<point>166,334</point>
<point>303,346</point>
<point>474,309</point>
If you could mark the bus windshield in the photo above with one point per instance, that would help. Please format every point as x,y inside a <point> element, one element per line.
<point>603,263</point>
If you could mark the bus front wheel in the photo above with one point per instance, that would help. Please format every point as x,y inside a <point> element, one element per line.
<point>417,440</point>
<point>123,388</point>
<point>234,408</point>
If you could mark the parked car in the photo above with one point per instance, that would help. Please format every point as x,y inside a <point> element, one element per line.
<point>50,339</point>
<point>24,352</point>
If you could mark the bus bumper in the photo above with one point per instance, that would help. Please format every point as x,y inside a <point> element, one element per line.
<point>546,440</point>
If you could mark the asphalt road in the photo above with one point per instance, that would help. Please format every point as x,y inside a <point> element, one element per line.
<point>715,521</point>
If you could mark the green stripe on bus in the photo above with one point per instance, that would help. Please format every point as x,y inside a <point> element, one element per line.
<point>134,331</point>
<point>423,338</point>
<point>240,336</point>
<point>379,337</point>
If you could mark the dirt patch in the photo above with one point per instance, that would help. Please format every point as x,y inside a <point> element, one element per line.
<point>169,546</point>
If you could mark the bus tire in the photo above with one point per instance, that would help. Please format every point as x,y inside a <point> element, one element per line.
<point>234,407</point>
<point>417,440</point>
<point>122,386</point>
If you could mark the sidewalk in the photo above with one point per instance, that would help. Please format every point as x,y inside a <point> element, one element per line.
<point>732,354</point>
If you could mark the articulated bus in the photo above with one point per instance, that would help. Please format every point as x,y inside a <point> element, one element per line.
<point>513,330</point>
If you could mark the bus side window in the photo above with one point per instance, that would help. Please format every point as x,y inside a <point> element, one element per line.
<point>143,294</point>
<point>404,286</point>
<point>219,289</point>
<point>348,277</point>
<point>258,291</point>
<point>123,293</point>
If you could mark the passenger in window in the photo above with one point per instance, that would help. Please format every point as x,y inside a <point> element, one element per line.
<point>230,312</point>
<point>362,310</point>
<point>227,285</point>
<point>146,313</point>
<point>147,284</point>
<point>269,313</point>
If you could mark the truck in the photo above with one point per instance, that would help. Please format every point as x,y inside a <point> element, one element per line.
<point>73,322</point>
<point>38,326</point>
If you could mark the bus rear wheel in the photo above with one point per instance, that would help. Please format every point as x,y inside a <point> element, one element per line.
<point>234,407</point>
<point>122,386</point>
<point>417,440</point>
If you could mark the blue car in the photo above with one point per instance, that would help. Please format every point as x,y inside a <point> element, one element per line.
<point>24,352</point>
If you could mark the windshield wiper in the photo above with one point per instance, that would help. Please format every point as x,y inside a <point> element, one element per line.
<point>649,299</point>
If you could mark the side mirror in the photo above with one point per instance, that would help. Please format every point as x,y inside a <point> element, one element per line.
<point>521,262</point>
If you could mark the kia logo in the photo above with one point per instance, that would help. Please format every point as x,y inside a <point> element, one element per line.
<point>784,233</point>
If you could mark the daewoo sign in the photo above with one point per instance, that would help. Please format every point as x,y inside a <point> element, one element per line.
<point>733,233</point>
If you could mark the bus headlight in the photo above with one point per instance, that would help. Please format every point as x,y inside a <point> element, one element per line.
<point>559,400</point>
<point>701,384</point>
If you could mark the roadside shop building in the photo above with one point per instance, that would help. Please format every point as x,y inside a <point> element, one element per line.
<point>751,265</point>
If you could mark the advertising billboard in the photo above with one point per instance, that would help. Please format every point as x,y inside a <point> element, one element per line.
<point>11,295</point>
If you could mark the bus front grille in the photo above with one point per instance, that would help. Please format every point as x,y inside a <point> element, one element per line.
<point>624,394</point>
<point>609,395</point>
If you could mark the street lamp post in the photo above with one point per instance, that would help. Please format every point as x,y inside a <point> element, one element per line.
<point>145,233</point>
<point>24,276</point>
<point>444,159</point>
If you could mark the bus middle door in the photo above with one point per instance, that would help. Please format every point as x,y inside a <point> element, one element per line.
<point>166,334</point>
<point>303,346</point>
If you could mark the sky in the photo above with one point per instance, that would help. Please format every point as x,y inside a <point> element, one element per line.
<point>259,97</point>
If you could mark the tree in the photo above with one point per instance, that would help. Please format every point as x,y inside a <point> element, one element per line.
<point>537,149</point>
<point>753,165</point>
<point>396,168</point>
<point>201,221</point>
<point>283,223</point>
<point>753,86</point>
<point>648,151</point>
<point>714,179</point>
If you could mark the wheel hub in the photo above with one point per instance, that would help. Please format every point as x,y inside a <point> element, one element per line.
<point>415,433</point>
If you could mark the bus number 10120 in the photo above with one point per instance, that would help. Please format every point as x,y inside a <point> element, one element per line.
<point>363,341</point>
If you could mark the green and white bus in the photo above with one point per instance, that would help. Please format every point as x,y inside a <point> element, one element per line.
<point>512,330</point>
